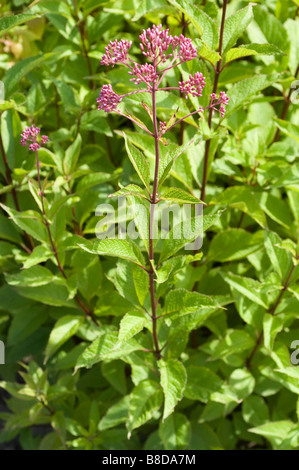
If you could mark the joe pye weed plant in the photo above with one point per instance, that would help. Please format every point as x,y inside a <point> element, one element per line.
<point>176,333</point>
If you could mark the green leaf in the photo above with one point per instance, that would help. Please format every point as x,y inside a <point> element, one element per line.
<point>251,49</point>
<point>237,53</point>
<point>180,302</point>
<point>271,326</point>
<point>173,381</point>
<point>235,25</point>
<point>244,199</point>
<point>276,208</point>
<point>245,90</point>
<point>280,258</point>
<point>22,68</point>
<point>106,347</point>
<point>33,277</point>
<point>276,429</point>
<point>119,248</point>
<point>30,222</point>
<point>72,155</point>
<point>131,324</point>
<point>168,160</point>
<point>251,288</point>
<point>255,411</point>
<point>130,190</point>
<point>179,196</point>
<point>242,383</point>
<point>116,414</point>
<point>145,400</point>
<point>8,22</point>
<point>175,432</point>
<point>233,244</point>
<point>40,254</point>
<point>202,382</point>
<point>201,21</point>
<point>64,329</point>
<point>138,161</point>
<point>291,130</point>
<point>185,232</point>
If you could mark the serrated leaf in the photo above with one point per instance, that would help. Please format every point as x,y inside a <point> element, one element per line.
<point>251,288</point>
<point>235,25</point>
<point>244,199</point>
<point>175,432</point>
<point>64,329</point>
<point>272,325</point>
<point>202,382</point>
<point>116,414</point>
<point>179,196</point>
<point>130,190</point>
<point>125,249</point>
<point>233,244</point>
<point>145,400</point>
<point>244,90</point>
<point>201,21</point>
<point>173,381</point>
<point>186,232</point>
<point>71,155</point>
<point>138,161</point>
<point>131,324</point>
<point>8,22</point>
<point>33,277</point>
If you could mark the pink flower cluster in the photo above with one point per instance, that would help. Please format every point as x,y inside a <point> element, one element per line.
<point>116,52</point>
<point>108,99</point>
<point>29,137</point>
<point>155,42</point>
<point>144,73</point>
<point>186,49</point>
<point>193,86</point>
<point>222,101</point>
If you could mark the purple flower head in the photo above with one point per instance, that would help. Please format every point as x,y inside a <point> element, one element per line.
<point>222,101</point>
<point>162,127</point>
<point>155,42</point>
<point>144,73</point>
<point>193,86</point>
<point>116,52</point>
<point>186,49</point>
<point>108,99</point>
<point>29,137</point>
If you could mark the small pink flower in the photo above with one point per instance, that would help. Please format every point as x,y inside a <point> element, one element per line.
<point>194,85</point>
<point>155,42</point>
<point>186,49</point>
<point>222,101</point>
<point>144,73</point>
<point>29,137</point>
<point>108,99</point>
<point>162,127</point>
<point>116,52</point>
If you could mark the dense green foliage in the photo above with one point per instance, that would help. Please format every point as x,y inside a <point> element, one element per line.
<point>74,313</point>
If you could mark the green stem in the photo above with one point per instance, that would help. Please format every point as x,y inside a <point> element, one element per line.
<point>154,201</point>
<point>83,307</point>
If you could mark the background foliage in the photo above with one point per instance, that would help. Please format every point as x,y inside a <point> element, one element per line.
<point>233,315</point>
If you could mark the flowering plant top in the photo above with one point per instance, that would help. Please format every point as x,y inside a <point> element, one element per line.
<point>158,46</point>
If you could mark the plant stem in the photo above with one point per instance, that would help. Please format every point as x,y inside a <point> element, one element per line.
<point>216,79</point>
<point>272,311</point>
<point>287,102</point>
<point>151,273</point>
<point>83,35</point>
<point>8,179</point>
<point>83,307</point>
